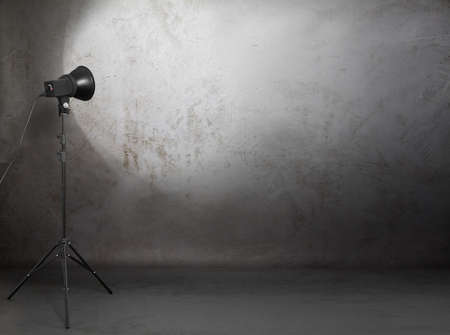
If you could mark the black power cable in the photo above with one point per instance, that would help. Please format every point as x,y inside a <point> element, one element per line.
<point>11,163</point>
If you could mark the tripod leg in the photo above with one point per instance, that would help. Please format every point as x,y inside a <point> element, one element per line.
<point>66,284</point>
<point>74,259</point>
<point>87,267</point>
<point>35,268</point>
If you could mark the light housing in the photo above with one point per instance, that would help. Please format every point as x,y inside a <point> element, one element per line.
<point>79,84</point>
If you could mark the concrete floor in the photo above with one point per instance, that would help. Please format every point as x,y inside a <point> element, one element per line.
<point>223,301</point>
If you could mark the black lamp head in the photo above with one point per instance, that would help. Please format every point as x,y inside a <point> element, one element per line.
<point>79,84</point>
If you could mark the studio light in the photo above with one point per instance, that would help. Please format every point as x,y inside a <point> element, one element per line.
<point>78,84</point>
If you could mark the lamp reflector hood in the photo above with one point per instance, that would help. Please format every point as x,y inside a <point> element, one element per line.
<point>84,83</point>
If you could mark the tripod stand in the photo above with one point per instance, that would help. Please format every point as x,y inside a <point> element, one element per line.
<point>64,246</point>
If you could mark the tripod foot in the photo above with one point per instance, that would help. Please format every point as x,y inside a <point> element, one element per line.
<point>86,266</point>
<point>34,269</point>
<point>64,245</point>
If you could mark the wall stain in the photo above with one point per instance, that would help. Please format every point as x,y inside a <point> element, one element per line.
<point>127,153</point>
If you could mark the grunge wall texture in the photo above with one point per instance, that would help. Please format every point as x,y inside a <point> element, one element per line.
<point>232,132</point>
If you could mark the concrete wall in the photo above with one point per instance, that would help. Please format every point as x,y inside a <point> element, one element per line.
<point>232,132</point>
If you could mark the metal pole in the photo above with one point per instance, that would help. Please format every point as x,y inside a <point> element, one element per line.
<point>62,157</point>
<point>64,108</point>
<point>66,285</point>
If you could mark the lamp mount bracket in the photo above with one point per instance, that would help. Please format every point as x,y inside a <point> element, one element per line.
<point>64,105</point>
